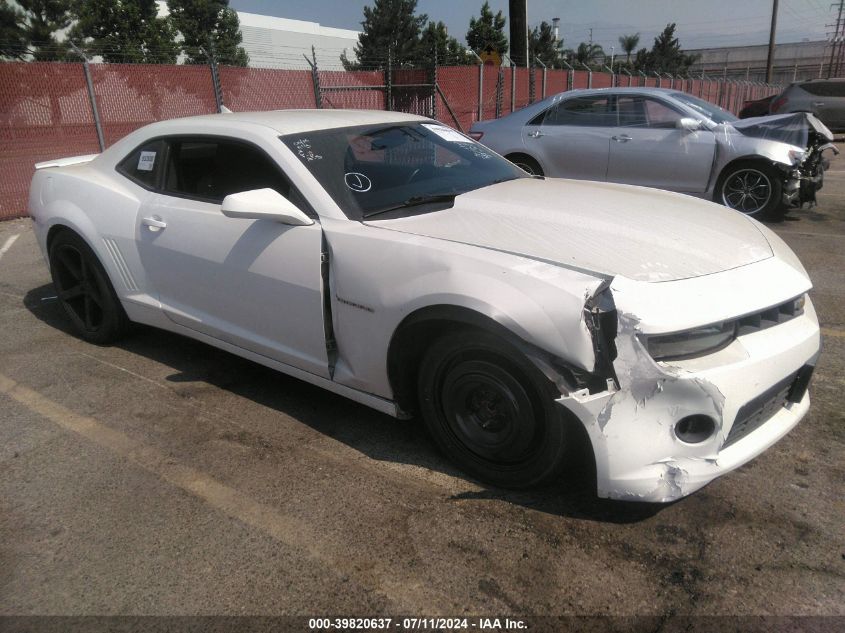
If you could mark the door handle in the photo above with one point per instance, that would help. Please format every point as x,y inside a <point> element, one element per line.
<point>535,134</point>
<point>622,138</point>
<point>818,104</point>
<point>155,223</point>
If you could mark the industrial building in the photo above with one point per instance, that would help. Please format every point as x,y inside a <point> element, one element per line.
<point>792,61</point>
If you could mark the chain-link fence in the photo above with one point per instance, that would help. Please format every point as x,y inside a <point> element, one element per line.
<point>56,109</point>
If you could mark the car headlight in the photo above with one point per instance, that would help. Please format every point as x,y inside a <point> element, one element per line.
<point>710,338</point>
<point>690,342</point>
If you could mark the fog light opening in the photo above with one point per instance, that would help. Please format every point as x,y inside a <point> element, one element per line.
<point>695,429</point>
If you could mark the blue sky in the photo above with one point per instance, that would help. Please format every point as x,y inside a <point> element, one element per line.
<point>700,23</point>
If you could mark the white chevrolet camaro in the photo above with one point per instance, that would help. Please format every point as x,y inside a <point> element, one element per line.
<point>392,260</point>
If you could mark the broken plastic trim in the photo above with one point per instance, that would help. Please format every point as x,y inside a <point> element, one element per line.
<point>601,319</point>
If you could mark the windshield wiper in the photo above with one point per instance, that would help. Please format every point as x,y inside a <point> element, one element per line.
<point>413,201</point>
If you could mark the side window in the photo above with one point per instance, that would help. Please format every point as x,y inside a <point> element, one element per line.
<point>144,164</point>
<point>636,111</point>
<point>211,169</point>
<point>661,115</point>
<point>825,88</point>
<point>583,112</point>
<point>631,111</point>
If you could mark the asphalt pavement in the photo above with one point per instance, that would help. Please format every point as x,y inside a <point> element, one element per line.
<point>164,477</point>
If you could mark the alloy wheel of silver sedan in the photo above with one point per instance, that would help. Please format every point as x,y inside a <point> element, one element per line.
<point>752,188</point>
<point>747,190</point>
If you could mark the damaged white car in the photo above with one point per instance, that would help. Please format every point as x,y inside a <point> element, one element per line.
<point>668,139</point>
<point>394,261</point>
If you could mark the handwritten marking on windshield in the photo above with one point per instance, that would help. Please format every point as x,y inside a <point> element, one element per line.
<point>357,182</point>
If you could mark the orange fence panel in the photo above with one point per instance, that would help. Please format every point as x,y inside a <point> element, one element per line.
<point>44,113</point>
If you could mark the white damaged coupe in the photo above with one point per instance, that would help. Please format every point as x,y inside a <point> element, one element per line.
<point>394,261</point>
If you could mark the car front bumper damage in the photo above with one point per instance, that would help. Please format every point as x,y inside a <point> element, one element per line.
<point>754,391</point>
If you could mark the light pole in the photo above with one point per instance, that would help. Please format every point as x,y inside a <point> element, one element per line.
<point>612,54</point>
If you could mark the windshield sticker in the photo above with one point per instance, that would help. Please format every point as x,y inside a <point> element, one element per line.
<point>358,183</point>
<point>446,133</point>
<point>146,161</point>
<point>303,148</point>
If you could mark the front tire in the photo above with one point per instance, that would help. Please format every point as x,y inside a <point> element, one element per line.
<point>491,411</point>
<point>751,187</point>
<point>84,290</point>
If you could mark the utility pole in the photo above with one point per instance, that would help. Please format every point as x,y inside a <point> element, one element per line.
<point>518,13</point>
<point>836,41</point>
<point>771,58</point>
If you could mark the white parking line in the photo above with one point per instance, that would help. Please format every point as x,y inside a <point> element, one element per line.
<point>8,244</point>
<point>406,592</point>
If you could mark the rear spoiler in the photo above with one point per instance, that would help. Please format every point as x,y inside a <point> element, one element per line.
<point>64,162</point>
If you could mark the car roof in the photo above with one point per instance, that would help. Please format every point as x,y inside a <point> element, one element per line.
<point>293,121</point>
<point>620,89</point>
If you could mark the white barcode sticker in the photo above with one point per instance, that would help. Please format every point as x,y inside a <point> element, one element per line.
<point>447,133</point>
<point>147,161</point>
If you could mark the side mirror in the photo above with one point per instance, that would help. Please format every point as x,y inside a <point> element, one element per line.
<point>264,204</point>
<point>688,124</point>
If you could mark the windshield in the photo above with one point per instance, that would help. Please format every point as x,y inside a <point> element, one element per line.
<point>398,168</point>
<point>711,111</point>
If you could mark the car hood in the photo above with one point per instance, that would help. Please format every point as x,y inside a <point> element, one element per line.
<point>605,229</point>
<point>793,128</point>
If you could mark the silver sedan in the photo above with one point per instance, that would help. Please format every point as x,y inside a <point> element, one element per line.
<point>669,140</point>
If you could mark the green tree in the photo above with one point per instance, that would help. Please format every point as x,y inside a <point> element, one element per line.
<point>629,43</point>
<point>390,27</point>
<point>125,31</point>
<point>666,55</point>
<point>488,31</point>
<point>13,40</point>
<point>449,50</point>
<point>643,60</point>
<point>34,27</point>
<point>543,46</point>
<point>206,24</point>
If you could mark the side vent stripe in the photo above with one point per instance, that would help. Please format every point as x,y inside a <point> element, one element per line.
<point>120,264</point>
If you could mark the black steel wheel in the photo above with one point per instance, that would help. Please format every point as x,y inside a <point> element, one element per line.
<point>491,411</point>
<point>84,290</point>
<point>753,188</point>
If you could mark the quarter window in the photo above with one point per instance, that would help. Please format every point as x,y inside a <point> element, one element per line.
<point>144,164</point>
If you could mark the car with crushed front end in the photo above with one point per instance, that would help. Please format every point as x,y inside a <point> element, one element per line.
<point>668,139</point>
<point>392,260</point>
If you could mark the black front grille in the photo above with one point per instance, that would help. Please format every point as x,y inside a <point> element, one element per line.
<point>762,408</point>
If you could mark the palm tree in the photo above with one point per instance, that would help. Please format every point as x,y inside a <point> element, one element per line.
<point>628,44</point>
<point>586,53</point>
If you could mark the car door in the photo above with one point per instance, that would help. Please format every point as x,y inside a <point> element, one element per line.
<point>256,284</point>
<point>649,149</point>
<point>572,138</point>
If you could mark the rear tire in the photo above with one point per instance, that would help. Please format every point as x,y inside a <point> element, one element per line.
<point>491,411</point>
<point>753,188</point>
<point>84,290</point>
<point>526,164</point>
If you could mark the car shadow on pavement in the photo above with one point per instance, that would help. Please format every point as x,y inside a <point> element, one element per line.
<point>373,434</point>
